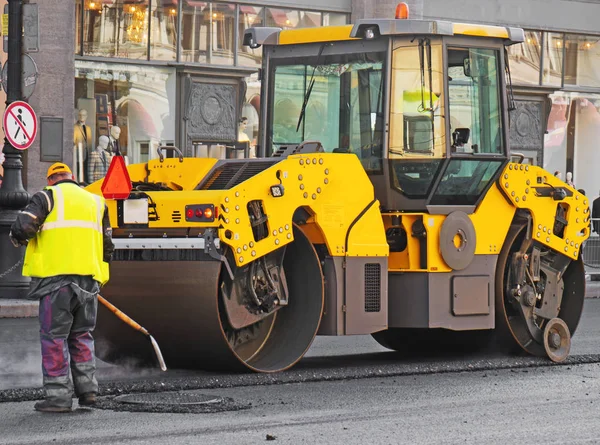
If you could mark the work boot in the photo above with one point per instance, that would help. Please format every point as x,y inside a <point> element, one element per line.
<point>47,406</point>
<point>87,399</point>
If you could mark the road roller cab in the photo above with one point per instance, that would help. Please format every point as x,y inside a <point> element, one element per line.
<point>383,201</point>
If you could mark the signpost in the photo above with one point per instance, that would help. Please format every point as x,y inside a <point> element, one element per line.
<point>29,76</point>
<point>20,125</point>
<point>20,130</point>
<point>31,36</point>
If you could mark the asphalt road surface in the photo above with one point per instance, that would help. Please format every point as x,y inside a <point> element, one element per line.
<point>328,358</point>
<point>557,405</point>
<point>346,390</point>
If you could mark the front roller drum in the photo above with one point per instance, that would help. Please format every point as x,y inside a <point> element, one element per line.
<point>518,329</point>
<point>180,303</point>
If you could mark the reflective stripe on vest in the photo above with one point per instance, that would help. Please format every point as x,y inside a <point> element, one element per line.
<point>59,204</point>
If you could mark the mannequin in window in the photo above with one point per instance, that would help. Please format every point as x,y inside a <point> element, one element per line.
<point>113,143</point>
<point>243,136</point>
<point>82,134</point>
<point>99,160</point>
<point>569,179</point>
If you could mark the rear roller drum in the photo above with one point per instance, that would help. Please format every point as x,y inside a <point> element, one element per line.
<point>264,319</point>
<point>539,297</point>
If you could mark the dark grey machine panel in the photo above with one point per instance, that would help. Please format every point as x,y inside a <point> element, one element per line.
<point>355,295</point>
<point>471,295</point>
<point>458,300</point>
<point>331,320</point>
<point>366,307</point>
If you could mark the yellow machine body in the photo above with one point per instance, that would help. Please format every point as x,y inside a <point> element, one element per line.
<point>307,240</point>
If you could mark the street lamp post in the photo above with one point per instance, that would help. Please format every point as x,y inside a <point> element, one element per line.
<point>13,196</point>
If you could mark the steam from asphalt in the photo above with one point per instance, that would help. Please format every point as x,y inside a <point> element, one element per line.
<point>21,364</point>
<point>20,369</point>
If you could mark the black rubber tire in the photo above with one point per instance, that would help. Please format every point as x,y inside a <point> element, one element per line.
<point>424,342</point>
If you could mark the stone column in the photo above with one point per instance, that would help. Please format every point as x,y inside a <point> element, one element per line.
<point>54,94</point>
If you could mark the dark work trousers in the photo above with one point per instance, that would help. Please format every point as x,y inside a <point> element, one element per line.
<point>67,317</point>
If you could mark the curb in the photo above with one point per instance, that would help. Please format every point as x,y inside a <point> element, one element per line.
<point>12,308</point>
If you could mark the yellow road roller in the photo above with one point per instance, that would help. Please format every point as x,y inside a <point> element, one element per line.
<point>383,200</point>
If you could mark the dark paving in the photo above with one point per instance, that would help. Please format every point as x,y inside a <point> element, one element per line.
<point>547,405</point>
<point>329,359</point>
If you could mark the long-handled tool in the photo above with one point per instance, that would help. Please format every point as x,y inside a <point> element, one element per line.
<point>137,327</point>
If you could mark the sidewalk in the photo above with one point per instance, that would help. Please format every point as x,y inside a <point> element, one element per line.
<point>18,308</point>
<point>28,309</point>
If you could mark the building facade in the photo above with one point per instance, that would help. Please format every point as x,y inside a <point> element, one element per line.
<point>174,72</point>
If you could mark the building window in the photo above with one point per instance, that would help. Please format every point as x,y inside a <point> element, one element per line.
<point>290,18</point>
<point>524,59</point>
<point>250,16</point>
<point>163,38</point>
<point>582,63</point>
<point>119,29</point>
<point>251,106</point>
<point>553,59</point>
<point>128,28</point>
<point>207,32</point>
<point>140,100</point>
<point>78,36</point>
<point>144,149</point>
<point>570,143</point>
<point>334,19</point>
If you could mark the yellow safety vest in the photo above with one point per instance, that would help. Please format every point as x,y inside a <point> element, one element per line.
<point>70,241</point>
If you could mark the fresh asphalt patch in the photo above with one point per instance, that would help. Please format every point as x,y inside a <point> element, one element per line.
<point>171,402</point>
<point>312,370</point>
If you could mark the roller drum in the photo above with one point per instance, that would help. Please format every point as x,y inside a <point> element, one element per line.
<point>179,303</point>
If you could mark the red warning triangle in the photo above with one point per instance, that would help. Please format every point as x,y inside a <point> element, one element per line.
<point>116,184</point>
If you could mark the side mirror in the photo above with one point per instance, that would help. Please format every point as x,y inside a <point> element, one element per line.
<point>467,66</point>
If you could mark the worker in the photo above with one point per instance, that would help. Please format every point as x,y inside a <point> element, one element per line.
<point>69,245</point>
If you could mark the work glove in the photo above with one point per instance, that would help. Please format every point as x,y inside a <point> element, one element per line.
<point>15,242</point>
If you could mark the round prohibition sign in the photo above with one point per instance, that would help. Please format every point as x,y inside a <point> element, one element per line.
<point>20,124</point>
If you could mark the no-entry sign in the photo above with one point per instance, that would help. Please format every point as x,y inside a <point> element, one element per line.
<point>20,124</point>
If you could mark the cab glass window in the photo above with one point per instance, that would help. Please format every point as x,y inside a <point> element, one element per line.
<point>334,99</point>
<point>474,97</point>
<point>464,180</point>
<point>417,144</point>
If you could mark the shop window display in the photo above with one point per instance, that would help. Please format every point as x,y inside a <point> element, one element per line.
<point>291,18</point>
<point>207,32</point>
<point>250,16</point>
<point>553,59</point>
<point>139,100</point>
<point>334,19</point>
<point>582,60</point>
<point>163,37</point>
<point>113,94</point>
<point>570,143</point>
<point>128,28</point>
<point>524,59</point>
<point>118,29</point>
